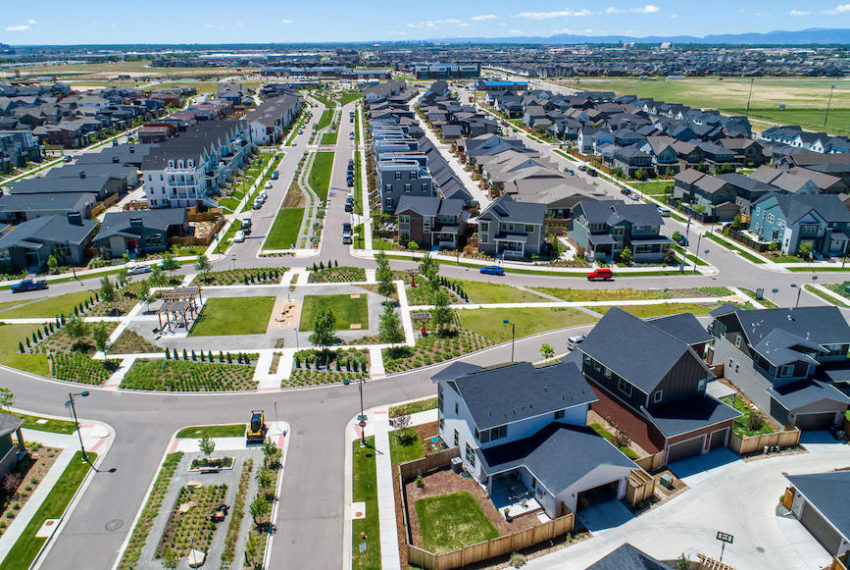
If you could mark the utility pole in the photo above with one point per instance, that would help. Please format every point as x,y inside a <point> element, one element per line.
<point>749,97</point>
<point>828,104</point>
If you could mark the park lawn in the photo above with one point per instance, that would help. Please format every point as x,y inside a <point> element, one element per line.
<point>196,432</point>
<point>48,306</point>
<point>486,292</point>
<point>450,522</point>
<point>349,96</point>
<point>233,316</point>
<point>655,188</point>
<point>347,311</point>
<point>405,445</point>
<point>10,336</point>
<point>320,174</point>
<point>27,546</point>
<point>365,489</point>
<point>529,321</point>
<point>285,229</point>
<point>660,309</point>
<point>329,138</point>
<point>740,428</point>
<point>326,118</point>
<point>631,294</point>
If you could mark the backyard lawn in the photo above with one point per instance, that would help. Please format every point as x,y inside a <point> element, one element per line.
<point>47,307</point>
<point>626,450</point>
<point>229,316</point>
<point>10,336</point>
<point>450,522</point>
<point>740,427</point>
<point>365,489</point>
<point>346,309</point>
<point>488,322</point>
<point>655,188</point>
<point>405,445</point>
<point>484,292</point>
<point>284,232</point>
<point>320,174</point>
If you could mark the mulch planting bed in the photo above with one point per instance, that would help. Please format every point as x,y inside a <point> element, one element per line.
<point>20,483</point>
<point>131,342</point>
<point>337,275</point>
<point>432,349</point>
<point>187,376</point>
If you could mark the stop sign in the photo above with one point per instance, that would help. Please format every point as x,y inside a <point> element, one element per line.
<point>362,423</point>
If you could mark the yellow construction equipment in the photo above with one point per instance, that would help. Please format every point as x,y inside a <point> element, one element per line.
<point>257,427</point>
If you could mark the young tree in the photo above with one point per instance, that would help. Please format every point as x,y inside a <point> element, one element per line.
<point>123,276</point>
<point>259,509</point>
<point>626,256</point>
<point>76,327</point>
<point>145,296</point>
<point>391,331</point>
<point>7,398</point>
<point>430,269</point>
<point>206,445</point>
<point>324,329</point>
<point>441,315</point>
<point>52,264</point>
<point>101,337</point>
<point>252,549</point>
<point>384,275</point>
<point>805,250</point>
<point>203,265</point>
<point>157,278</point>
<point>546,351</point>
<point>168,262</point>
<point>107,290</point>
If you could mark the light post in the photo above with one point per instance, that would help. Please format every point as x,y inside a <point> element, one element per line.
<point>799,289</point>
<point>513,336</point>
<point>696,251</point>
<point>70,403</point>
<point>828,104</point>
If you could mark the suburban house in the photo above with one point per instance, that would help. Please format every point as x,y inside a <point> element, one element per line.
<point>431,222</point>
<point>792,363</point>
<point>28,245</point>
<point>650,380</point>
<point>21,207</point>
<point>399,176</point>
<point>821,502</point>
<point>269,120</point>
<point>140,232</point>
<point>604,228</point>
<point>793,219</point>
<point>711,197</point>
<point>628,557</point>
<point>508,228</point>
<point>521,433</point>
<point>10,450</point>
<point>630,160</point>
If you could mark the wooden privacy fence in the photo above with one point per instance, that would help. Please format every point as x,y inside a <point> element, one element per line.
<point>491,548</point>
<point>427,464</point>
<point>756,443</point>
<point>641,486</point>
<point>742,238</point>
<point>651,462</point>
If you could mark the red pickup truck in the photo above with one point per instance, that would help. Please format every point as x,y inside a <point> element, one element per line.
<point>602,273</point>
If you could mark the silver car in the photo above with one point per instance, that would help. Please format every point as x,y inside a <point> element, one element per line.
<point>574,341</point>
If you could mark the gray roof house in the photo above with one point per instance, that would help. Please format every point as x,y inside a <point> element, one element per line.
<point>431,222</point>
<point>822,504</point>
<point>508,228</point>
<point>604,228</point>
<point>29,244</point>
<point>140,232</point>
<point>627,557</point>
<point>9,451</point>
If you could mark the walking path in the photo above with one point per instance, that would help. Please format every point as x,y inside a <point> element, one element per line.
<point>366,217</point>
<point>386,498</point>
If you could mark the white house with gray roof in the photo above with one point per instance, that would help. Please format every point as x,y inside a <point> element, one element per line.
<point>508,228</point>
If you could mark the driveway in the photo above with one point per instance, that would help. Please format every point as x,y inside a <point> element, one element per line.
<point>601,516</point>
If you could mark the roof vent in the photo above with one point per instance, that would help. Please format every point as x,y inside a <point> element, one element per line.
<point>82,173</point>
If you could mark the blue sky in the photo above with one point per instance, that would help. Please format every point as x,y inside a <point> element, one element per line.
<point>212,21</point>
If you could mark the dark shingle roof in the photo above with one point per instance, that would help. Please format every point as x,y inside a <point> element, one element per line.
<point>508,209</point>
<point>9,424</point>
<point>48,229</point>
<point>819,325</point>
<point>829,493</point>
<point>690,415</point>
<point>684,326</point>
<point>161,219</point>
<point>612,212</point>
<point>806,392</point>
<point>627,557</point>
<point>422,205</point>
<point>191,144</point>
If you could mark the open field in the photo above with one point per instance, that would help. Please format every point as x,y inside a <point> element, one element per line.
<point>132,68</point>
<point>805,98</point>
<point>226,316</point>
<point>488,322</point>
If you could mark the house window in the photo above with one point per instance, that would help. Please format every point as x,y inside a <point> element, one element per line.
<point>737,341</point>
<point>456,409</point>
<point>498,432</point>
<point>404,219</point>
<point>560,414</point>
<point>786,371</point>
<point>529,228</point>
<point>701,385</point>
<point>624,387</point>
<point>440,397</point>
<point>770,218</point>
<point>190,163</point>
<point>657,396</point>
<point>737,368</point>
<point>407,187</point>
<point>170,164</point>
<point>441,420</point>
<point>470,455</point>
<point>456,438</point>
<point>398,175</point>
<point>607,372</point>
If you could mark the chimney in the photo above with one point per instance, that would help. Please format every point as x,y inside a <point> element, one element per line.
<point>75,218</point>
<point>82,173</point>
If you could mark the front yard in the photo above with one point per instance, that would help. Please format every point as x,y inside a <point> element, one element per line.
<point>227,316</point>
<point>365,489</point>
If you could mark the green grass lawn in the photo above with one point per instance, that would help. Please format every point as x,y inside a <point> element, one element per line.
<point>740,428</point>
<point>234,315</point>
<point>195,432</point>
<point>488,322</point>
<point>486,292</point>
<point>660,309</point>
<point>44,424</point>
<point>329,138</point>
<point>320,174</point>
<point>740,249</point>
<point>828,298</point>
<point>10,336</point>
<point>349,96</point>
<point>632,294</point>
<point>284,232</point>
<point>450,522</point>
<point>626,450</point>
<point>325,119</point>
<point>365,488</point>
<point>764,300</point>
<point>347,311</point>
<point>229,203</point>
<point>405,446</point>
<point>413,407</point>
<point>47,306</point>
<point>27,546</point>
<point>655,188</point>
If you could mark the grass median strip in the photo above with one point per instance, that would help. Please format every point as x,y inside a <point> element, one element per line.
<point>365,489</point>
<point>284,232</point>
<point>196,432</point>
<point>744,253</point>
<point>320,174</point>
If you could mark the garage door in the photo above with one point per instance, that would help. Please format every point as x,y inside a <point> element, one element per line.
<point>600,494</point>
<point>820,529</point>
<point>684,449</point>
<point>718,439</point>
<point>815,421</point>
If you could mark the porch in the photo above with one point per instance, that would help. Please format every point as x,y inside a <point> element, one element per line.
<point>507,491</point>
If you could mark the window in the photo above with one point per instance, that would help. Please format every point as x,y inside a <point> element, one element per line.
<point>170,164</point>
<point>404,219</point>
<point>441,420</point>
<point>529,228</point>
<point>456,438</point>
<point>786,371</point>
<point>456,409</point>
<point>398,175</point>
<point>498,432</point>
<point>190,163</point>
<point>624,387</point>
<point>407,187</point>
<point>560,414</point>
<point>657,396</point>
<point>440,397</point>
<point>606,372</point>
<point>412,176</point>
<point>701,385</point>
<point>470,455</point>
<point>388,187</point>
<point>770,218</point>
<point>738,341</point>
<point>737,368</point>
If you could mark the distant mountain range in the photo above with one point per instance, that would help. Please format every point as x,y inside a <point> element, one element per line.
<point>811,36</point>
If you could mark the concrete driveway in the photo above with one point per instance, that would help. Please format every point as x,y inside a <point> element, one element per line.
<point>601,516</point>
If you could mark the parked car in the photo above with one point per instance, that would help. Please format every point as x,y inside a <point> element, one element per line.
<point>634,196</point>
<point>603,273</point>
<point>346,227</point>
<point>268,185</point>
<point>140,269</point>
<point>592,172</point>
<point>582,167</point>
<point>625,191</point>
<point>257,205</point>
<point>349,208</point>
<point>29,284</point>
<point>492,270</point>
<point>239,237</point>
<point>663,212</point>
<point>67,159</point>
<point>275,175</point>
<point>574,341</point>
<point>246,225</point>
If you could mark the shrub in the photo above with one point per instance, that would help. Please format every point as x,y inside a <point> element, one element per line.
<point>755,421</point>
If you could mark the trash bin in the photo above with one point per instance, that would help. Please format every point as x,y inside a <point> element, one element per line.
<point>457,464</point>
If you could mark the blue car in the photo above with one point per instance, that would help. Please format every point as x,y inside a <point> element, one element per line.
<point>492,270</point>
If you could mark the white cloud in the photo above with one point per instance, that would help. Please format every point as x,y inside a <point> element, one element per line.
<point>435,24</point>
<point>648,9</point>
<point>514,31</point>
<point>567,31</point>
<point>566,13</point>
<point>483,17</point>
<point>761,14</point>
<point>31,22</point>
<point>615,10</point>
<point>21,28</point>
<point>285,21</point>
<point>798,13</point>
<point>674,16</point>
<point>840,9</point>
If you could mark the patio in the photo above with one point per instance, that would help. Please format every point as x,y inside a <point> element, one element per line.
<point>509,492</point>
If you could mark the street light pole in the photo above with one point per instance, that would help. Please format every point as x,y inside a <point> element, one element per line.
<point>513,336</point>
<point>70,403</point>
<point>828,104</point>
<point>696,252</point>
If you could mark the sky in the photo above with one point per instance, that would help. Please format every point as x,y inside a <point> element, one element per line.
<point>284,21</point>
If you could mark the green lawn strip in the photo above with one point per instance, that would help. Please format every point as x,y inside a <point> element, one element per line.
<point>838,288</point>
<point>450,522</point>
<point>47,424</point>
<point>660,309</point>
<point>228,236</point>
<point>828,298</point>
<point>655,187</point>
<point>486,292</point>
<point>689,256</point>
<point>10,336</point>
<point>320,173</point>
<point>740,428</point>
<point>627,451</point>
<point>764,300</point>
<point>326,118</point>
<point>405,445</point>
<point>284,232</point>
<point>347,311</point>
<point>529,321</point>
<point>744,253</point>
<point>196,432</point>
<point>27,546</point>
<point>815,269</point>
<point>329,138</point>
<point>784,259</point>
<point>48,306</point>
<point>413,407</point>
<point>576,295</point>
<point>365,489</point>
<point>229,316</point>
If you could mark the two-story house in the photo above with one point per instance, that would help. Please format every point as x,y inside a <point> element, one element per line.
<point>792,363</point>
<point>431,222</point>
<point>508,228</point>
<point>630,159</point>
<point>650,379</point>
<point>603,228</point>
<point>520,432</point>
<point>399,177</point>
<point>793,219</point>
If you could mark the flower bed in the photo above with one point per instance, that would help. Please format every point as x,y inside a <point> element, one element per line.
<point>431,350</point>
<point>327,367</point>
<point>250,276</point>
<point>211,463</point>
<point>77,367</point>
<point>337,275</point>
<point>133,552</point>
<point>187,376</point>
<point>191,529</point>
